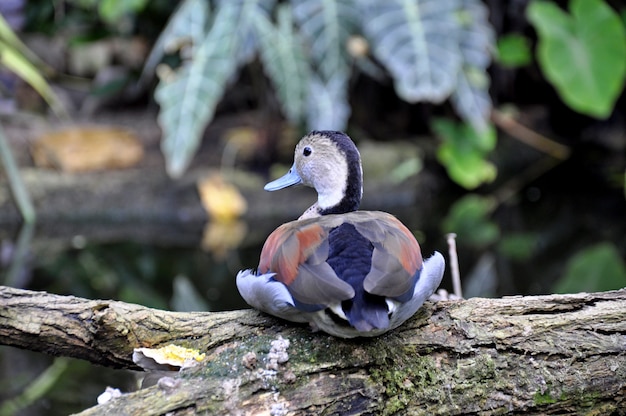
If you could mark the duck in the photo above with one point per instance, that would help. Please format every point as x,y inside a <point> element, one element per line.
<point>347,272</point>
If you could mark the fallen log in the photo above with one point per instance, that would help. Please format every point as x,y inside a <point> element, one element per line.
<point>555,354</point>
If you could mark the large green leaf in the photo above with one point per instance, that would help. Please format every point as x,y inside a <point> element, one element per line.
<point>247,35</point>
<point>471,97</point>
<point>416,40</point>
<point>583,54</point>
<point>189,95</point>
<point>435,50</point>
<point>188,26</point>
<point>326,26</point>
<point>476,39</point>
<point>284,62</point>
<point>328,106</point>
<point>594,269</point>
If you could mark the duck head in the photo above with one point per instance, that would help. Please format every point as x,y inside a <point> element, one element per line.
<point>329,162</point>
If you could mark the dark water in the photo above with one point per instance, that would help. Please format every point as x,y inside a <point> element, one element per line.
<point>544,224</point>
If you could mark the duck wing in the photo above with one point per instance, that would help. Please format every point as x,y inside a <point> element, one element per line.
<point>297,252</point>
<point>396,258</point>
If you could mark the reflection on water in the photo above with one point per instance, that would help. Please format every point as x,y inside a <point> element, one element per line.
<point>140,273</point>
<point>17,256</point>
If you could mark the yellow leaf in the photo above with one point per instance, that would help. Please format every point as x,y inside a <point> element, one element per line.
<point>221,200</point>
<point>87,149</point>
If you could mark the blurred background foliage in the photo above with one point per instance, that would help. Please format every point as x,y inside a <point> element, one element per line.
<point>506,120</point>
<point>310,49</point>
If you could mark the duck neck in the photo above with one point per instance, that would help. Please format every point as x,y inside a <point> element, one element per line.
<point>346,199</point>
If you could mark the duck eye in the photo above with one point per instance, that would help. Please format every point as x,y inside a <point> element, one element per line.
<point>306,151</point>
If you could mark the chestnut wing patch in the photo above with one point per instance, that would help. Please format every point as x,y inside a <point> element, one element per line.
<point>297,253</point>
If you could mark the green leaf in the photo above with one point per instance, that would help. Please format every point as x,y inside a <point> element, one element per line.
<point>434,50</point>
<point>465,136</point>
<point>416,41</point>
<point>513,51</point>
<point>284,62</point>
<point>464,151</point>
<point>188,97</point>
<point>475,39</point>
<point>468,170</point>
<point>247,35</point>
<point>187,26</point>
<point>327,104</point>
<point>15,56</point>
<point>22,67</point>
<point>594,269</point>
<point>326,26</point>
<point>469,220</point>
<point>583,54</point>
<point>8,37</point>
<point>471,97</point>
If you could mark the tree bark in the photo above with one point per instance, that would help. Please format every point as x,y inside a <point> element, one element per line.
<point>557,354</point>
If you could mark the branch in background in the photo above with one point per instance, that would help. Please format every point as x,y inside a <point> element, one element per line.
<point>528,136</point>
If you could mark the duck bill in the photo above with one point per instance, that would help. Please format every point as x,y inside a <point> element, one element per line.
<point>289,179</point>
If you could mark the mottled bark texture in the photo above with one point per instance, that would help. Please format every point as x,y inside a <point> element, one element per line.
<point>557,354</point>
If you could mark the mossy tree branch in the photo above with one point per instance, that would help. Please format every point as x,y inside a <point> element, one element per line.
<point>562,354</point>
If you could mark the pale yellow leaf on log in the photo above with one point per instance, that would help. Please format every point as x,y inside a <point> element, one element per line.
<point>166,358</point>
